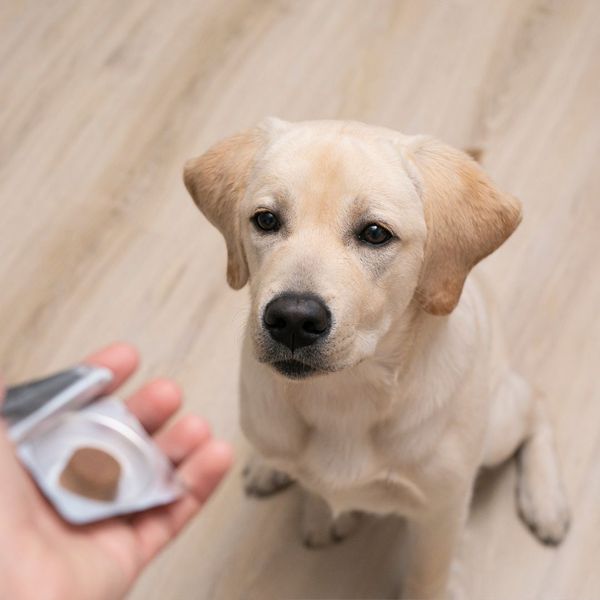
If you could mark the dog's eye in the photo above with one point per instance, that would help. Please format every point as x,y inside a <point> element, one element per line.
<point>266,221</point>
<point>375,235</point>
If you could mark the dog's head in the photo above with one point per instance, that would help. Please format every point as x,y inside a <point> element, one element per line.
<point>340,227</point>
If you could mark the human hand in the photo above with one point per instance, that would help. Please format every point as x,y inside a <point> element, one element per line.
<point>43,557</point>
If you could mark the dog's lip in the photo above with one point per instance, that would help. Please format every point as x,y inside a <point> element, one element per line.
<point>294,369</point>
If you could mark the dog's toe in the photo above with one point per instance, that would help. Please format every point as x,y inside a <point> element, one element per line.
<point>321,538</point>
<point>345,525</point>
<point>546,515</point>
<point>320,535</point>
<point>313,540</point>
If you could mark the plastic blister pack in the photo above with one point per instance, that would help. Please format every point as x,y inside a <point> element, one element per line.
<point>49,420</point>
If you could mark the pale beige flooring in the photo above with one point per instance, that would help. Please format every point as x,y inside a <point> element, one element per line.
<point>102,101</point>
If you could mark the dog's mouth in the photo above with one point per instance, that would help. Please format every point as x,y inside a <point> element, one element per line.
<point>294,369</point>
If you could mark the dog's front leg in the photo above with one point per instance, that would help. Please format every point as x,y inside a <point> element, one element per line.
<point>432,543</point>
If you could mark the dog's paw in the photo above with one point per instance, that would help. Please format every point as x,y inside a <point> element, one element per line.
<point>261,480</point>
<point>544,511</point>
<point>319,534</point>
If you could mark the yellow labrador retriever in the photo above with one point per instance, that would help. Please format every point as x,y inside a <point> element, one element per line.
<point>374,372</point>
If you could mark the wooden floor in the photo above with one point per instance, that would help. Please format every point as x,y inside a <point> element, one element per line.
<point>102,101</point>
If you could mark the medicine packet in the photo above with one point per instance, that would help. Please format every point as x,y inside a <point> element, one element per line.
<point>50,419</point>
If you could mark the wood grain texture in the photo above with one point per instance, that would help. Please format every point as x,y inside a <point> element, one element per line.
<point>101,103</point>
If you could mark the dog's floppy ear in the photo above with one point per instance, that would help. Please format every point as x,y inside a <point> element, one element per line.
<point>467,218</point>
<point>217,181</point>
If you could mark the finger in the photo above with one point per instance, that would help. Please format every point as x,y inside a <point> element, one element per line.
<point>120,358</point>
<point>201,472</point>
<point>155,403</point>
<point>204,469</point>
<point>183,438</point>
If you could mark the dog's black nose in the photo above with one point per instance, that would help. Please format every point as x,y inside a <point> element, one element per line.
<point>297,320</point>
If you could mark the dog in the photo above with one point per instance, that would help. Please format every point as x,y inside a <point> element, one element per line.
<point>374,372</point>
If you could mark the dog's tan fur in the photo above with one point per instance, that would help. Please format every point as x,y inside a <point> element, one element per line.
<point>416,391</point>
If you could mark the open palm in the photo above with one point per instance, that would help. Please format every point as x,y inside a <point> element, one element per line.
<point>41,556</point>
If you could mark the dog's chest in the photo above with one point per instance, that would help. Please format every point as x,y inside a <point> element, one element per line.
<point>298,431</point>
<point>339,449</point>
<point>339,446</point>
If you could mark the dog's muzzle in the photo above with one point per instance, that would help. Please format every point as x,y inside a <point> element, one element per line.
<point>295,322</point>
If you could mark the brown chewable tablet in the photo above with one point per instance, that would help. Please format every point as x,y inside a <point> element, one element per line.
<point>92,473</point>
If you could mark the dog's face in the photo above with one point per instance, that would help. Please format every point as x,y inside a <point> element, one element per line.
<point>333,232</point>
<point>332,223</point>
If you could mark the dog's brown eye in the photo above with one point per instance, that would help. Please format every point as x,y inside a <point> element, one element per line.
<point>266,221</point>
<point>374,234</point>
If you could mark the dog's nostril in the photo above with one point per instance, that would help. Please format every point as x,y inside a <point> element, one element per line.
<point>278,323</point>
<point>314,327</point>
